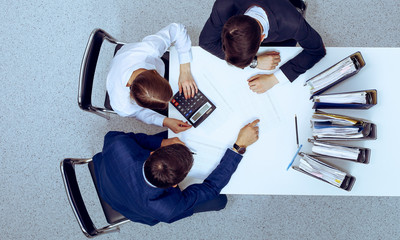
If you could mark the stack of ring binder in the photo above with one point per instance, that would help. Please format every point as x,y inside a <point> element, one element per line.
<point>314,167</point>
<point>327,127</point>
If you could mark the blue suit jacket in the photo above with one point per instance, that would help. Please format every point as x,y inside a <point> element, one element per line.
<point>121,184</point>
<point>285,23</point>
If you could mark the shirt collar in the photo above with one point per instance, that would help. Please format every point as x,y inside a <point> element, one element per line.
<point>145,179</point>
<point>260,15</point>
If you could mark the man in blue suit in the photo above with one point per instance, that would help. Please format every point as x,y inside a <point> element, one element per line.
<point>236,28</point>
<point>137,175</point>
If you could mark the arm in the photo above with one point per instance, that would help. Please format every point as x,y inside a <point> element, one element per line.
<point>173,34</point>
<point>150,142</point>
<point>210,36</point>
<point>313,51</point>
<point>183,203</point>
<point>145,115</point>
<point>176,34</point>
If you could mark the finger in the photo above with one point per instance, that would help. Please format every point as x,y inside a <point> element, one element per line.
<point>253,78</point>
<point>181,129</point>
<point>195,87</point>
<point>255,122</point>
<point>185,92</point>
<point>192,89</point>
<point>252,84</point>
<point>180,88</point>
<point>183,124</point>
<point>253,88</point>
<point>272,53</point>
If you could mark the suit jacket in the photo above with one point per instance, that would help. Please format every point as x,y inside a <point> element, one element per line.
<point>121,183</point>
<point>285,23</point>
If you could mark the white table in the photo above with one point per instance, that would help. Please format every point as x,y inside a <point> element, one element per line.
<point>263,167</point>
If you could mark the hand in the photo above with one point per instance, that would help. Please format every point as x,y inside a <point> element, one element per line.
<point>170,141</point>
<point>248,134</point>
<point>176,125</point>
<point>186,82</point>
<point>268,60</point>
<point>261,83</point>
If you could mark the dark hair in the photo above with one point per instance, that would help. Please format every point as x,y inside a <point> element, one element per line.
<point>150,90</point>
<point>241,37</point>
<point>168,165</point>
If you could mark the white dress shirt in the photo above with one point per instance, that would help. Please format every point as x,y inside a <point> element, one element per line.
<point>260,15</point>
<point>145,54</point>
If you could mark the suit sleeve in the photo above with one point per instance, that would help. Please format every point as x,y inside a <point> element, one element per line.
<point>210,36</point>
<point>313,51</point>
<point>182,205</point>
<point>149,142</point>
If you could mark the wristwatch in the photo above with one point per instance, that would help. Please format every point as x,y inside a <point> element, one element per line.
<point>240,150</point>
<point>254,63</point>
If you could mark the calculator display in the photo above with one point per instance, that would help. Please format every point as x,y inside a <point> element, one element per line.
<point>200,112</point>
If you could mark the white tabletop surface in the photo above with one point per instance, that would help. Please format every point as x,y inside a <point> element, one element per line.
<point>263,167</point>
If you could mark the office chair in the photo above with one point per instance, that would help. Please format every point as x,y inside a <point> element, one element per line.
<point>88,68</point>
<point>114,218</point>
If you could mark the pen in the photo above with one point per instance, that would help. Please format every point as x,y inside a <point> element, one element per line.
<point>294,157</point>
<point>297,132</point>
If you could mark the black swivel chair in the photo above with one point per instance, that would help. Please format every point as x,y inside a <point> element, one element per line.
<point>114,218</point>
<point>88,68</point>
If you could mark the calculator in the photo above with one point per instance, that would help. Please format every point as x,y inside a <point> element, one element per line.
<point>195,109</point>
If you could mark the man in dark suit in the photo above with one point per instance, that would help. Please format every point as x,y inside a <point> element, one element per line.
<point>236,28</point>
<point>142,184</point>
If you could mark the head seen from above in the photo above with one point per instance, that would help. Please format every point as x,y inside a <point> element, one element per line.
<point>241,36</point>
<point>168,165</point>
<point>150,90</point>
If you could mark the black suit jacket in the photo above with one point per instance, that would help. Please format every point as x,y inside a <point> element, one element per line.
<point>121,183</point>
<point>285,23</point>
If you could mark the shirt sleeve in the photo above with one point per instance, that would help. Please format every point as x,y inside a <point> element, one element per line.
<point>145,115</point>
<point>175,34</point>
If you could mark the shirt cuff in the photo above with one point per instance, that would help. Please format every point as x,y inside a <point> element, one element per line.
<point>159,121</point>
<point>281,77</point>
<point>185,57</point>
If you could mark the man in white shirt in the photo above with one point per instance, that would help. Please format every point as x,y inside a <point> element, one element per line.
<point>141,60</point>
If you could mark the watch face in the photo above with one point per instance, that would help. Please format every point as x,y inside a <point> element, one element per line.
<point>240,150</point>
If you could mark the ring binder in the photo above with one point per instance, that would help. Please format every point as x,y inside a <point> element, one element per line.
<point>328,126</point>
<point>327,173</point>
<point>328,151</point>
<point>346,100</point>
<point>335,74</point>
